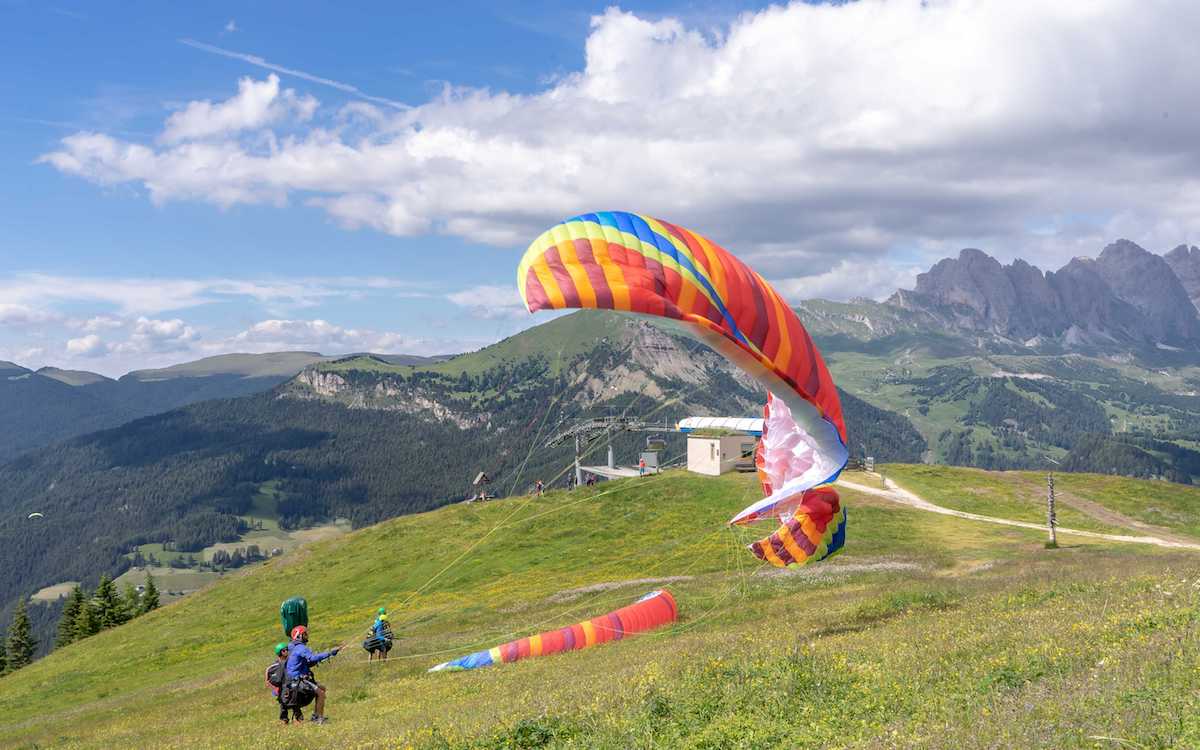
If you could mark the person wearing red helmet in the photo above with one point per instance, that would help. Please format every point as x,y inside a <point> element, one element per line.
<point>300,661</point>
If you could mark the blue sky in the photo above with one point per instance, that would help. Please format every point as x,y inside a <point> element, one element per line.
<point>190,179</point>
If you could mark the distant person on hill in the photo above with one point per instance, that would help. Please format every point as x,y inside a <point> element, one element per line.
<point>301,683</point>
<point>539,489</point>
<point>641,467</point>
<point>277,678</point>
<point>379,638</point>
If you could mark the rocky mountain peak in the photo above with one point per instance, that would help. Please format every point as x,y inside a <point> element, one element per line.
<point>974,286</point>
<point>1126,295</point>
<point>1185,262</point>
<point>1147,282</point>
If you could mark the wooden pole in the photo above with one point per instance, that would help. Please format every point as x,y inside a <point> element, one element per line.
<point>1051,517</point>
<point>578,468</point>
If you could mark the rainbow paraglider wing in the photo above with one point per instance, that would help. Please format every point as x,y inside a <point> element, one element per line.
<point>651,611</point>
<point>628,262</point>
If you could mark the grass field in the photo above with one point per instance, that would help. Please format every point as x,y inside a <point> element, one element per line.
<point>1021,496</point>
<point>928,631</point>
<point>55,592</point>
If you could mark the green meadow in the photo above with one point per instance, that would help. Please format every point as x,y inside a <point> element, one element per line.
<point>927,631</point>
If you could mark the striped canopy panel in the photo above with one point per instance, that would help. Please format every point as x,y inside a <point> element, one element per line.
<point>638,264</point>
<point>651,611</point>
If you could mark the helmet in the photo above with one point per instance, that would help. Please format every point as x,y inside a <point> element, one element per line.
<point>280,648</point>
<point>383,618</point>
<point>299,633</point>
<point>383,610</point>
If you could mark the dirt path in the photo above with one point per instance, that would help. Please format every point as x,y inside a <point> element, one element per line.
<point>898,494</point>
<point>1115,518</point>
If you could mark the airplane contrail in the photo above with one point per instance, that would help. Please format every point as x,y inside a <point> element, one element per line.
<point>260,62</point>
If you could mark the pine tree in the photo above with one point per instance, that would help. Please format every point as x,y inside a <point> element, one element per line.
<point>70,614</point>
<point>85,622</point>
<point>21,644</point>
<point>109,612</point>
<point>3,656</point>
<point>149,596</point>
<point>130,603</point>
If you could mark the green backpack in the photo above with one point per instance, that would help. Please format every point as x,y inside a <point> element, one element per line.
<point>293,612</point>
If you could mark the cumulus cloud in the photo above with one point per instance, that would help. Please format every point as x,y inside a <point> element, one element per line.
<point>800,136</point>
<point>87,346</point>
<point>491,301</point>
<point>158,336</point>
<point>21,315</point>
<point>256,105</point>
<point>100,323</point>
<point>847,280</point>
<point>323,336</point>
<point>143,336</point>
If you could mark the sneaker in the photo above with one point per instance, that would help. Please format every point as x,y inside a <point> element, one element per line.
<point>319,720</point>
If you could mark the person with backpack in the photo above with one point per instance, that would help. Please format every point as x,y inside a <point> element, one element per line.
<point>276,677</point>
<point>301,684</point>
<point>379,637</point>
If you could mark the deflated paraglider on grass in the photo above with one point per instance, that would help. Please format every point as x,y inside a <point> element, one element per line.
<point>632,263</point>
<point>651,611</point>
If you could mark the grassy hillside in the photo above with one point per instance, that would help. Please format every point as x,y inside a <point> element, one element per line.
<point>928,631</point>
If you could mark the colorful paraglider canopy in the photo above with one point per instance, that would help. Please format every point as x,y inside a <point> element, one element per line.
<point>638,264</point>
<point>651,611</point>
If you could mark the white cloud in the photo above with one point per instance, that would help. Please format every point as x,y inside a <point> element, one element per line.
<point>146,336</point>
<point>21,315</point>
<point>158,336</point>
<point>323,336</point>
<point>87,346</point>
<point>100,323</point>
<point>231,27</point>
<point>133,297</point>
<point>849,279</point>
<point>491,302</point>
<point>800,136</point>
<point>256,105</point>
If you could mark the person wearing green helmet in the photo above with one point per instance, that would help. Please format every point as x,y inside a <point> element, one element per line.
<point>379,637</point>
<point>276,675</point>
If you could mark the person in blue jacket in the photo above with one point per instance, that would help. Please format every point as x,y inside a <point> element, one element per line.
<point>300,661</point>
<point>379,642</point>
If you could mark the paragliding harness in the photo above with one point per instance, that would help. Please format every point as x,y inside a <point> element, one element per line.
<point>378,641</point>
<point>297,692</point>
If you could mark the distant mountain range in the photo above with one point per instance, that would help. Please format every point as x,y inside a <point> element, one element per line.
<point>1127,298</point>
<point>47,405</point>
